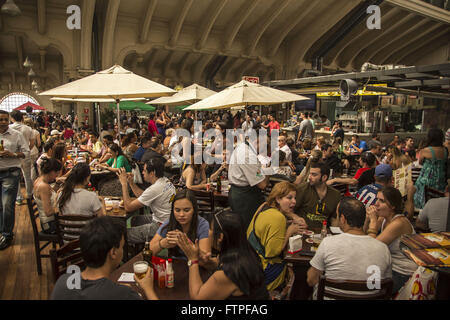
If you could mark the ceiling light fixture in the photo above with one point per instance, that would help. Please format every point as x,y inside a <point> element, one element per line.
<point>31,73</point>
<point>11,9</point>
<point>28,63</point>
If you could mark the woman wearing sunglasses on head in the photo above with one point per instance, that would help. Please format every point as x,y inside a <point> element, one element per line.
<point>239,274</point>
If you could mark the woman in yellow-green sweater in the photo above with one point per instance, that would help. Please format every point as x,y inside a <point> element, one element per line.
<point>269,232</point>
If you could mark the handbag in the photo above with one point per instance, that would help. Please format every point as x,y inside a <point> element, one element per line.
<point>420,286</point>
<point>137,177</point>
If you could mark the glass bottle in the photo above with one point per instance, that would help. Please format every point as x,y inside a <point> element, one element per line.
<point>147,254</point>
<point>219,184</point>
<point>2,147</point>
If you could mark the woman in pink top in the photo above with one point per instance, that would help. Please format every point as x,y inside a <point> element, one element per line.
<point>152,125</point>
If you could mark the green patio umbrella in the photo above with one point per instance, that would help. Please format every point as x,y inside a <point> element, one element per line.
<point>133,106</point>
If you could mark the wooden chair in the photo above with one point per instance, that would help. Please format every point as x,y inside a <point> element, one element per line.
<point>415,173</point>
<point>40,236</point>
<point>384,293</point>
<point>431,193</point>
<point>341,187</point>
<point>205,203</point>
<point>69,226</point>
<point>68,254</point>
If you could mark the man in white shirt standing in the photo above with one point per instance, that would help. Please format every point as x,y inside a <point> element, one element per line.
<point>248,124</point>
<point>157,197</point>
<point>14,148</point>
<point>27,132</point>
<point>247,182</point>
<point>352,255</point>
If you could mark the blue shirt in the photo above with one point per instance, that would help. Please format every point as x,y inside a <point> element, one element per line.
<point>362,145</point>
<point>368,194</point>
<point>202,233</point>
<point>139,153</point>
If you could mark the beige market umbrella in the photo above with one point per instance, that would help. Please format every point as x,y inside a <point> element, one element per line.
<point>114,83</point>
<point>245,93</point>
<point>190,94</point>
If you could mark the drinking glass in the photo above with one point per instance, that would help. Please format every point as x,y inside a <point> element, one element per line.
<point>140,269</point>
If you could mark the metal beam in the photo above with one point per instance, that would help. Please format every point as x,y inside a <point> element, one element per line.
<point>183,64</point>
<point>428,94</point>
<point>373,75</point>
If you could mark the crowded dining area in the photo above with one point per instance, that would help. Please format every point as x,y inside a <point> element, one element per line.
<point>122,179</point>
<point>143,219</point>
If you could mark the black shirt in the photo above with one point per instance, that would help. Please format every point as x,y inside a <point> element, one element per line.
<point>366,178</point>
<point>101,289</point>
<point>334,163</point>
<point>339,133</point>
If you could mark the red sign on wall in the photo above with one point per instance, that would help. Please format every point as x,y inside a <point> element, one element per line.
<point>251,79</point>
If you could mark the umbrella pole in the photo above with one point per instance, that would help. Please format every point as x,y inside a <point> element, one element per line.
<point>118,120</point>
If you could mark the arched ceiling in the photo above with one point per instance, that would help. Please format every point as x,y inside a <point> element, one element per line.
<point>185,41</point>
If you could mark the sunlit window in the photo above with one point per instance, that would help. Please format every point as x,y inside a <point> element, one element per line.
<point>14,100</point>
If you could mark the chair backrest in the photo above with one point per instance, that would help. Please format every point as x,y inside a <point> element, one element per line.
<point>61,258</point>
<point>384,293</point>
<point>205,203</point>
<point>415,173</point>
<point>34,215</point>
<point>69,226</point>
<point>431,193</point>
<point>341,187</point>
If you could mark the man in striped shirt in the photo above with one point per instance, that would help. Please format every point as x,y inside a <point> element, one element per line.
<point>383,177</point>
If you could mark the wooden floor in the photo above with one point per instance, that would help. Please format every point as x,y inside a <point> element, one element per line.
<point>19,279</point>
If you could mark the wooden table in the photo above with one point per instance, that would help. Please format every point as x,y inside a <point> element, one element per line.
<point>300,289</point>
<point>181,275</point>
<point>221,198</point>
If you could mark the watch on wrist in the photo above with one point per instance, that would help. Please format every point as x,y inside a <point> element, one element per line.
<point>191,262</point>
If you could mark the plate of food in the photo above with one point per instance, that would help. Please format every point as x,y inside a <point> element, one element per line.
<point>310,240</point>
<point>308,233</point>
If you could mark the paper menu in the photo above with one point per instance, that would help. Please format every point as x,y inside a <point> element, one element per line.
<point>126,277</point>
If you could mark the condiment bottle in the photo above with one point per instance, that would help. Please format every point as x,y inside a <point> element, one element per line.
<point>323,232</point>
<point>169,274</point>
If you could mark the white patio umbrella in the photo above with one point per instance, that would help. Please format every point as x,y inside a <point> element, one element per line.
<point>245,93</point>
<point>94,101</point>
<point>190,94</point>
<point>114,83</point>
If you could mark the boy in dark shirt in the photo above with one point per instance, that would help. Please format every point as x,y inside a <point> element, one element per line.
<point>101,243</point>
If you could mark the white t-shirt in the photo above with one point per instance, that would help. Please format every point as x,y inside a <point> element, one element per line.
<point>348,257</point>
<point>245,168</point>
<point>157,197</point>
<point>82,202</point>
<point>26,131</point>
<point>435,212</point>
<point>287,151</point>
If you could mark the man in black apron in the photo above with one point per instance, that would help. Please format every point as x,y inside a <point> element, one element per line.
<point>246,182</point>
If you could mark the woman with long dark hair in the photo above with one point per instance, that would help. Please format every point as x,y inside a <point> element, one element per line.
<point>239,274</point>
<point>129,145</point>
<point>117,161</point>
<point>183,218</point>
<point>74,198</point>
<point>44,195</point>
<point>387,223</point>
<point>433,173</point>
